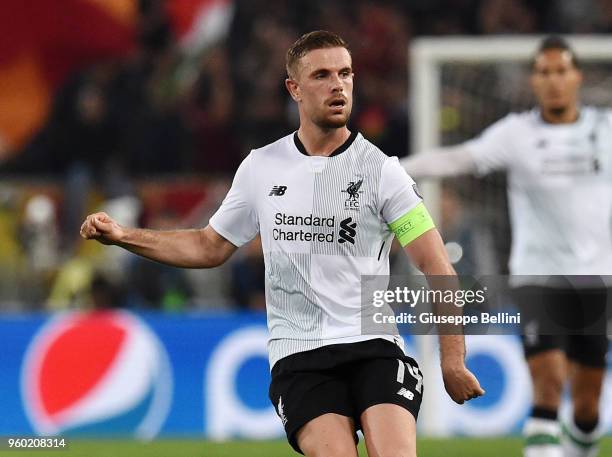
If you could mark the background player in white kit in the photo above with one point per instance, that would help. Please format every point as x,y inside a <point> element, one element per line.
<point>327,204</point>
<point>558,160</point>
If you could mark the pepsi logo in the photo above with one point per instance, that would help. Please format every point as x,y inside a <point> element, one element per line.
<point>101,372</point>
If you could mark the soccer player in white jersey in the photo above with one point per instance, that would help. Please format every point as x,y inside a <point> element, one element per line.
<point>558,162</point>
<point>327,204</point>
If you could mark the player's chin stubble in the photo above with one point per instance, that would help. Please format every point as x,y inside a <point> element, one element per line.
<point>332,122</point>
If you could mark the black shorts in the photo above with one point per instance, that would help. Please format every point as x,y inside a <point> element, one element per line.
<point>344,379</point>
<point>572,320</point>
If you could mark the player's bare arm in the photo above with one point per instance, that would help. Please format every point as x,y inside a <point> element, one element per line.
<point>428,254</point>
<point>196,248</point>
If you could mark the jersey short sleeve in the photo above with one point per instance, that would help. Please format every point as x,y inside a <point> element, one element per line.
<point>491,150</point>
<point>236,219</point>
<point>402,207</point>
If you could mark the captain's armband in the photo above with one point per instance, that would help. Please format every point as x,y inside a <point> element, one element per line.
<point>412,224</point>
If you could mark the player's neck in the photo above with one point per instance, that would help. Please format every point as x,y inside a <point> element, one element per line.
<point>319,142</point>
<point>568,115</point>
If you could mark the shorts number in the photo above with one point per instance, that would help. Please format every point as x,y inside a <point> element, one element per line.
<point>414,372</point>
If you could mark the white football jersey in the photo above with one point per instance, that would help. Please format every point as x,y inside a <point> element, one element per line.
<point>324,222</point>
<point>559,190</point>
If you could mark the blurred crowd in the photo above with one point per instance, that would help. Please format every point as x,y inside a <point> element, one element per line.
<point>154,138</point>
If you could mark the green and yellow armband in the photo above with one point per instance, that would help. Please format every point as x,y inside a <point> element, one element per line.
<point>412,224</point>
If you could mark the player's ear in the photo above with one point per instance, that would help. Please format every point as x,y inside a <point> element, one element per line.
<point>579,75</point>
<point>532,82</point>
<point>293,88</point>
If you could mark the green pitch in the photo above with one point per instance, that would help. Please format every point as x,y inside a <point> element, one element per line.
<point>458,447</point>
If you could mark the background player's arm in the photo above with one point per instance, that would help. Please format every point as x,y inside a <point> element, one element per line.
<point>428,254</point>
<point>492,150</point>
<point>197,248</point>
<point>440,163</point>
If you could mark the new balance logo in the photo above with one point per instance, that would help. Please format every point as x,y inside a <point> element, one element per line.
<point>347,231</point>
<point>403,392</point>
<point>278,191</point>
<point>281,412</point>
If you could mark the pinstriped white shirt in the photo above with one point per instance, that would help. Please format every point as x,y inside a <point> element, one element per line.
<point>323,223</point>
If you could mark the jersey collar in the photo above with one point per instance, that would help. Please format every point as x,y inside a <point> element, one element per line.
<point>339,150</point>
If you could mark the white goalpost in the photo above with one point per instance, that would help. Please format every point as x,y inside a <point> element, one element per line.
<point>458,86</point>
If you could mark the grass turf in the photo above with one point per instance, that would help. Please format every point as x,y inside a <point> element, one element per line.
<point>456,447</point>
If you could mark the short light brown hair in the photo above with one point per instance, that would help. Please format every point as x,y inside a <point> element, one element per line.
<point>319,39</point>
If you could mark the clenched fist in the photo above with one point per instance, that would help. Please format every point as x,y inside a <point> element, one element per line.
<point>460,383</point>
<point>101,227</point>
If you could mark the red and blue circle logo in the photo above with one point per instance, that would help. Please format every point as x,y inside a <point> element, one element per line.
<point>99,373</point>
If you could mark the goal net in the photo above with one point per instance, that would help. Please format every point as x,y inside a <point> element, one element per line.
<point>459,86</point>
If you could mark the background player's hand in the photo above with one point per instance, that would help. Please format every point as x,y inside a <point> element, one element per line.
<point>101,227</point>
<point>460,383</point>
